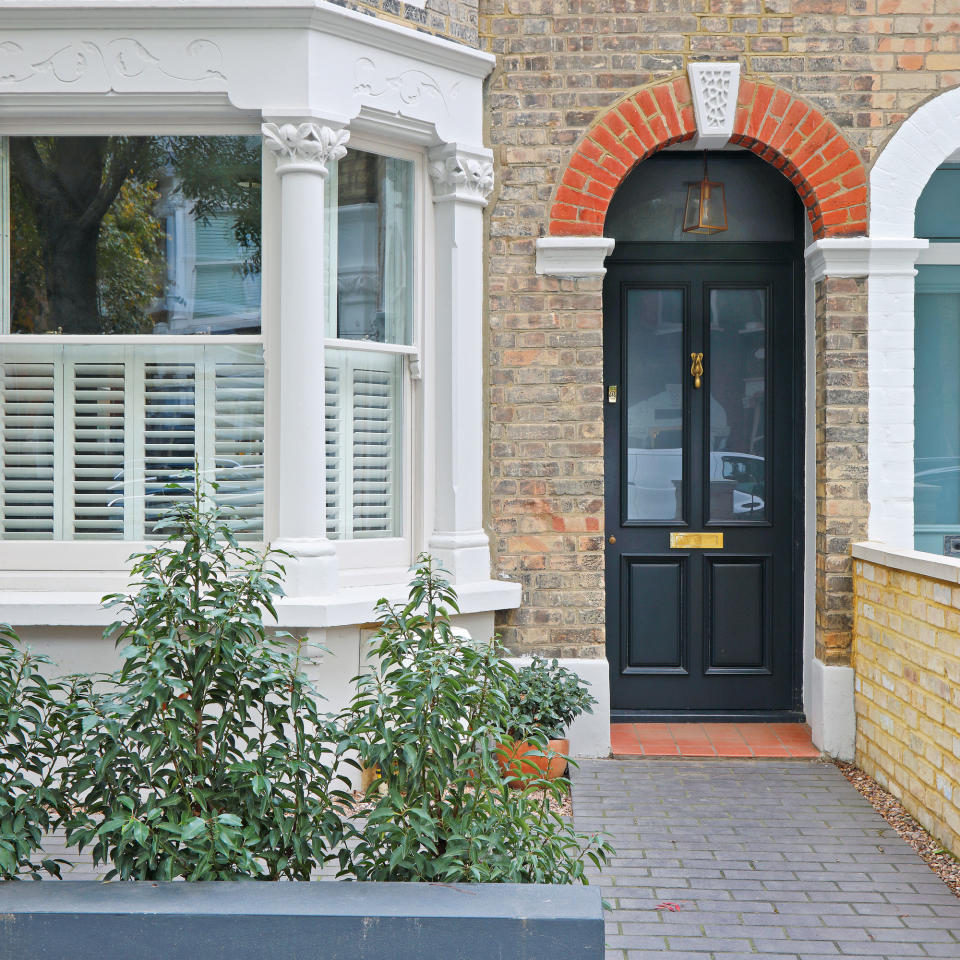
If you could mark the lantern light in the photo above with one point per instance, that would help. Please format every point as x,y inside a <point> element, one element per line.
<point>706,210</point>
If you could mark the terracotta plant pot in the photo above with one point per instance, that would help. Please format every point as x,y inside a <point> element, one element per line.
<point>523,761</point>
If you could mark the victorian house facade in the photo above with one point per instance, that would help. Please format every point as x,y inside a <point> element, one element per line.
<point>642,318</point>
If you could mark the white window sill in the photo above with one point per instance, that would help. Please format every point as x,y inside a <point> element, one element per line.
<point>929,565</point>
<point>351,605</point>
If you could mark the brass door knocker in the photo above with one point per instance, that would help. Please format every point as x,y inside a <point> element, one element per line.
<point>696,369</point>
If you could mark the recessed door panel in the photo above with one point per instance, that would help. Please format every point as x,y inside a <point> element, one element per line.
<point>738,636</point>
<point>655,630</point>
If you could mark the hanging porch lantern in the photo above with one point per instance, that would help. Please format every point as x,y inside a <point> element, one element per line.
<point>706,210</point>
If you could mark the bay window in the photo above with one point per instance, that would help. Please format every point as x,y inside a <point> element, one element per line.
<point>937,356</point>
<point>131,337</point>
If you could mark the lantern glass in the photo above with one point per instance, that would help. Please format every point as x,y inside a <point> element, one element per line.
<point>706,210</point>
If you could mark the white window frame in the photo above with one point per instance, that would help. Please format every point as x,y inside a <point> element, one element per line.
<point>361,562</point>
<point>388,559</point>
<point>103,564</point>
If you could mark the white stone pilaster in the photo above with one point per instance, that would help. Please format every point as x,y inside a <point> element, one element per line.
<point>303,151</point>
<point>462,182</point>
<point>889,266</point>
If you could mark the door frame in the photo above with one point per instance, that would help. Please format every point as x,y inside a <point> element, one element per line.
<point>647,253</point>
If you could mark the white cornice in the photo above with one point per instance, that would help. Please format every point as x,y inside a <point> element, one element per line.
<point>862,257</point>
<point>317,15</point>
<point>573,256</point>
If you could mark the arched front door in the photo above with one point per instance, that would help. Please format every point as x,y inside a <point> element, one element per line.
<point>704,430</point>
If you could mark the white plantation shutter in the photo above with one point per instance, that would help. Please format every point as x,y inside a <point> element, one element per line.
<point>335,458</point>
<point>375,421</point>
<point>97,449</point>
<point>238,442</point>
<point>169,436</point>
<point>91,435</point>
<point>364,480</point>
<point>29,395</point>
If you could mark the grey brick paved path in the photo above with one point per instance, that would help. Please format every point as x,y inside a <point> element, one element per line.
<point>779,860</point>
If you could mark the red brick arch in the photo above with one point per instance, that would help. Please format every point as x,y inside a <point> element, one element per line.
<point>777,126</point>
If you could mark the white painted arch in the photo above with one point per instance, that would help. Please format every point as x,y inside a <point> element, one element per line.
<point>926,139</point>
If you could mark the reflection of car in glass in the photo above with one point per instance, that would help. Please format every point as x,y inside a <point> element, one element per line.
<point>654,478</point>
<point>240,491</point>
<point>936,484</point>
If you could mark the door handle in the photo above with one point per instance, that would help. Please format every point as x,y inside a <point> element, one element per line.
<point>696,369</point>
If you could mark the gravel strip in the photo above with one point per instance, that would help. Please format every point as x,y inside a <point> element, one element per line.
<point>940,861</point>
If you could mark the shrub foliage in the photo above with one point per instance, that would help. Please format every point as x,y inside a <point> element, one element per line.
<point>428,718</point>
<point>31,738</point>
<point>205,757</point>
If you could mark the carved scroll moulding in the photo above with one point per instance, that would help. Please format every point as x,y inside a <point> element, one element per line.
<point>714,87</point>
<point>421,93</point>
<point>101,66</point>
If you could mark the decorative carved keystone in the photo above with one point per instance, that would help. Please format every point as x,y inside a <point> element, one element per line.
<point>714,87</point>
<point>305,145</point>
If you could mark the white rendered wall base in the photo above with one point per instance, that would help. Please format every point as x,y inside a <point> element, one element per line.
<point>589,734</point>
<point>832,718</point>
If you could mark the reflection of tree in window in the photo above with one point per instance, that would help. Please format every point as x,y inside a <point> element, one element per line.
<point>89,241</point>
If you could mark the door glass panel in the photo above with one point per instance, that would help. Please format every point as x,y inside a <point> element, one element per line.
<point>653,343</point>
<point>736,365</point>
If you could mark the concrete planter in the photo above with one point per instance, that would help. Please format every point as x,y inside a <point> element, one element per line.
<point>332,920</point>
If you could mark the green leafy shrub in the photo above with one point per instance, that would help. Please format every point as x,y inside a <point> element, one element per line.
<point>30,741</point>
<point>546,698</point>
<point>205,757</point>
<point>428,719</point>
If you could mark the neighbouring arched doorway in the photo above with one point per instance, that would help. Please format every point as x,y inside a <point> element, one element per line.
<point>703,470</point>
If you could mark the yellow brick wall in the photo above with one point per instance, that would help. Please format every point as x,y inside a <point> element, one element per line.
<point>907,681</point>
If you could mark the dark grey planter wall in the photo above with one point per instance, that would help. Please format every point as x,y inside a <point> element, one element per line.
<point>321,920</point>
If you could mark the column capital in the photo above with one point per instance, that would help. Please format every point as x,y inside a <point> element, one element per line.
<point>305,146</point>
<point>462,174</point>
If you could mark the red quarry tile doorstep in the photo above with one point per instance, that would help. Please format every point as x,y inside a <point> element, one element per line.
<point>783,740</point>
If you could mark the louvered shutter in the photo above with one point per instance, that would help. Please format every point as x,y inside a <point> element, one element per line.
<point>97,450</point>
<point>335,459</point>
<point>90,436</point>
<point>375,476</point>
<point>169,436</point>
<point>28,443</point>
<point>238,441</point>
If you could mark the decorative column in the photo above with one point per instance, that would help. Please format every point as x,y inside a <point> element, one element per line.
<point>303,151</point>
<point>462,182</point>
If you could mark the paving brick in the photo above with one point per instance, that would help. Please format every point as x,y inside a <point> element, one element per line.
<point>800,815</point>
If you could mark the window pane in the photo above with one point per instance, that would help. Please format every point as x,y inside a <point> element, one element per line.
<point>364,413</point>
<point>936,216</point>
<point>738,403</point>
<point>653,342</point>
<point>133,419</point>
<point>134,235</point>
<point>374,250</point>
<point>937,407</point>
<point>649,205</point>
